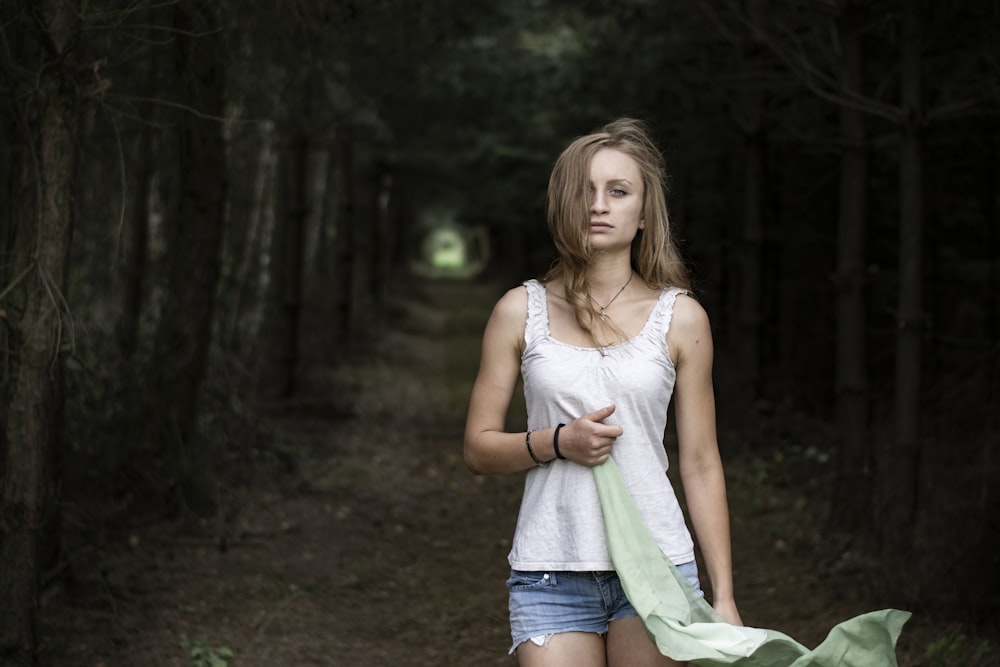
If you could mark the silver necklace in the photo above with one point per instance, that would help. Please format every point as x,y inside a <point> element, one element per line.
<point>604,309</point>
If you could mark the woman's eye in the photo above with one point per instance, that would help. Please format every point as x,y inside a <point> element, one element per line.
<point>618,192</point>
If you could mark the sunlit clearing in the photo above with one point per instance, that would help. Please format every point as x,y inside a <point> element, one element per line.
<point>450,250</point>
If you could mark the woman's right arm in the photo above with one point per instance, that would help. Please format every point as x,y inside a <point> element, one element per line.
<point>488,448</point>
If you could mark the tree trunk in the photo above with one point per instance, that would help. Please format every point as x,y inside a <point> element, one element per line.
<point>851,507</point>
<point>365,241</point>
<point>382,239</point>
<point>751,248</point>
<point>752,242</point>
<point>326,238</point>
<point>245,281</point>
<point>194,230</point>
<point>137,246</point>
<point>899,464</point>
<point>40,229</point>
<point>345,244</point>
<point>403,228</point>
<point>991,214</point>
<point>282,330</point>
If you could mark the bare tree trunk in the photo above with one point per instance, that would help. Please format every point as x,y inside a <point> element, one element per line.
<point>137,246</point>
<point>383,238</point>
<point>249,259</point>
<point>324,273</point>
<point>752,242</point>
<point>345,243</point>
<point>134,272</point>
<point>194,230</point>
<point>851,507</point>
<point>366,238</point>
<point>750,272</point>
<point>33,305</point>
<point>991,213</point>
<point>899,464</point>
<point>329,223</point>
<point>402,227</point>
<point>282,331</point>
<point>720,268</point>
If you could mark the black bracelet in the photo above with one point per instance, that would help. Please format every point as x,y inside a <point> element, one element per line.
<point>527,442</point>
<point>555,443</point>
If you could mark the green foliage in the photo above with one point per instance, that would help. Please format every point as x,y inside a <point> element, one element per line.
<point>343,475</point>
<point>202,653</point>
<point>765,479</point>
<point>959,650</point>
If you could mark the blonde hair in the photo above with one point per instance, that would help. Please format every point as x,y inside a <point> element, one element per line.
<point>654,254</point>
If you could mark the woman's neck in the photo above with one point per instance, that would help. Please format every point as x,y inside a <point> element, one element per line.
<point>608,274</point>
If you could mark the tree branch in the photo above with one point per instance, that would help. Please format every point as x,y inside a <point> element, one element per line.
<point>825,85</point>
<point>954,109</point>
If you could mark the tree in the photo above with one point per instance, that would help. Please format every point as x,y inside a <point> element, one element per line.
<point>899,463</point>
<point>853,491</point>
<point>137,250</point>
<point>895,489</point>
<point>35,324</point>
<point>194,228</point>
<point>751,249</point>
<point>287,266</point>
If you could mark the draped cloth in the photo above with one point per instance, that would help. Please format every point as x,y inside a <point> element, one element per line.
<point>686,628</point>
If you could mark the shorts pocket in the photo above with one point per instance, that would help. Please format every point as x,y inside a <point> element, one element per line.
<point>520,580</point>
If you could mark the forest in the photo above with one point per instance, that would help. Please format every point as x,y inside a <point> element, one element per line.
<point>224,227</point>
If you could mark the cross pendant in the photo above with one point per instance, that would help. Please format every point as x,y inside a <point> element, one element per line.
<point>604,314</point>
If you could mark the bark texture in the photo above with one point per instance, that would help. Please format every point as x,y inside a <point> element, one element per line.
<point>194,232</point>
<point>850,509</point>
<point>752,241</point>
<point>35,326</point>
<point>900,462</point>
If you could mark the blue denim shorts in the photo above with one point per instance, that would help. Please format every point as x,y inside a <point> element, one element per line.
<point>549,603</point>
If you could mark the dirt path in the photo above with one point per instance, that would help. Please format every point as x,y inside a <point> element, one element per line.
<point>380,548</point>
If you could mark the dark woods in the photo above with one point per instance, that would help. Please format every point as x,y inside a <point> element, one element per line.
<point>203,201</point>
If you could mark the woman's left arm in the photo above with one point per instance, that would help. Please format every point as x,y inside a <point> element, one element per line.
<point>690,342</point>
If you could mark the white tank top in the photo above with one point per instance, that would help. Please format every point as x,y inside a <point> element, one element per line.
<point>559,525</point>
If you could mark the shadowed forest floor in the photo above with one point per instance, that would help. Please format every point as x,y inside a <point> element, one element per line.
<point>375,546</point>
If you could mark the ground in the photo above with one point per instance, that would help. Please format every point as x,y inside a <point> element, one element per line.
<point>377,547</point>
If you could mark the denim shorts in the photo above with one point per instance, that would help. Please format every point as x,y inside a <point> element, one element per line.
<point>549,603</point>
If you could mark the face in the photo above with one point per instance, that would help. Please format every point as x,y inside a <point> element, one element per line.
<point>616,197</point>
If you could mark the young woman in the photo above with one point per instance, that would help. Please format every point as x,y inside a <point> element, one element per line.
<point>602,342</point>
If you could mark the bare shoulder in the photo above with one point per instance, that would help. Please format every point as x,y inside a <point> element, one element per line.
<point>512,306</point>
<point>690,329</point>
<point>507,321</point>
<point>689,316</point>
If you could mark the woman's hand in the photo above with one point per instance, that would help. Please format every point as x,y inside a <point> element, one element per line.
<point>588,441</point>
<point>727,610</point>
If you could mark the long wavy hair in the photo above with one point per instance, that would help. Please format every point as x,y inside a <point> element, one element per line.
<point>654,254</point>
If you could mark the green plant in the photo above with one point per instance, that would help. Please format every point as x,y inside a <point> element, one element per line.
<point>957,650</point>
<point>202,653</point>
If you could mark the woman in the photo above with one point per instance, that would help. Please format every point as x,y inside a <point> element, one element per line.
<point>602,342</point>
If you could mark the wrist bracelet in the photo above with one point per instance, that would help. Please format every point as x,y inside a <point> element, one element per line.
<point>527,443</point>
<point>555,443</point>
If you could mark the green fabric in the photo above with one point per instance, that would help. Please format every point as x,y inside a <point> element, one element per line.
<point>686,628</point>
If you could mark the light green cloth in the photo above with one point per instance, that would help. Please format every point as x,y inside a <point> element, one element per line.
<point>686,628</point>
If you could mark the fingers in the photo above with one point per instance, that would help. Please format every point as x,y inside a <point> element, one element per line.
<point>591,440</point>
<point>600,414</point>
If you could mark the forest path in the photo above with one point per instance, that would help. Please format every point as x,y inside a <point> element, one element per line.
<point>380,548</point>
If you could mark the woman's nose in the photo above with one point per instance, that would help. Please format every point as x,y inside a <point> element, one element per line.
<point>597,202</point>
